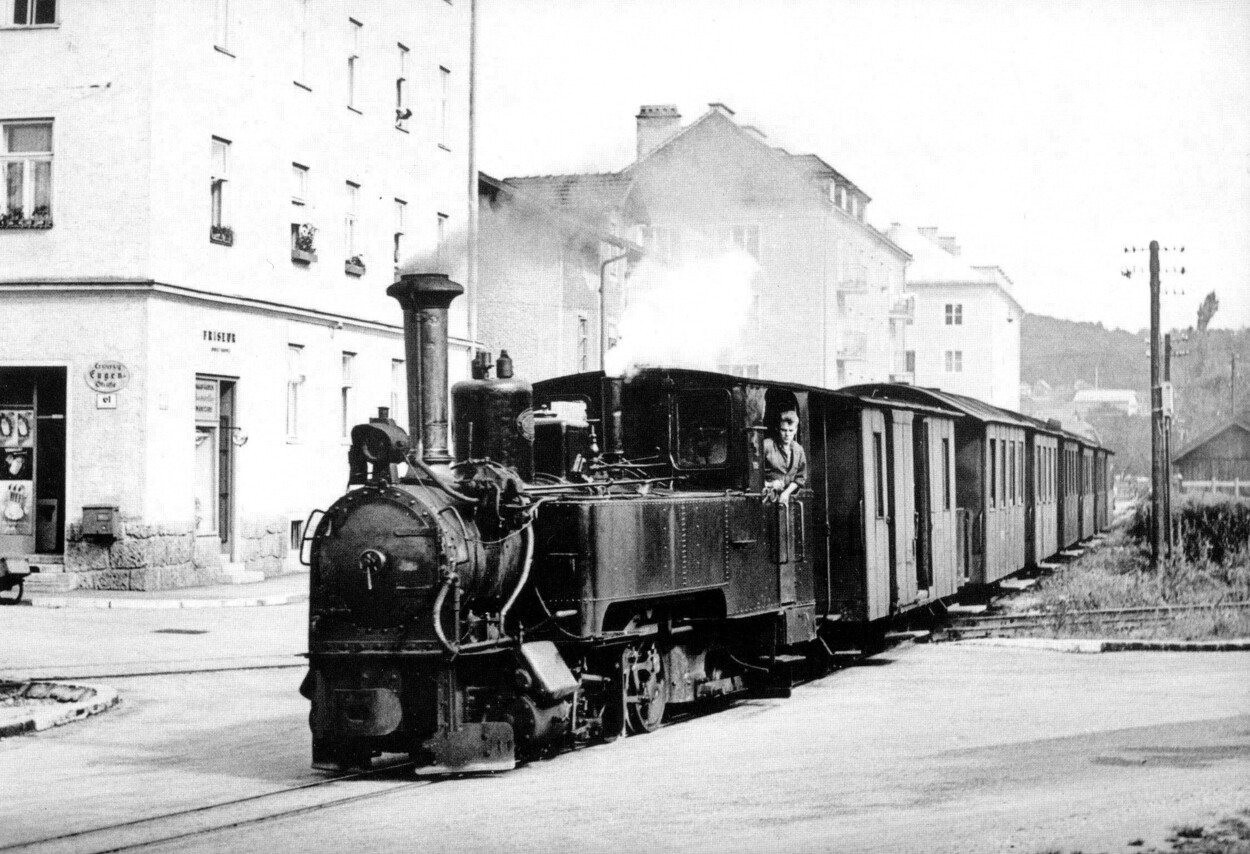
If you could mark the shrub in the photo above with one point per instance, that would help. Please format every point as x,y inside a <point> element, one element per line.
<point>1211,528</point>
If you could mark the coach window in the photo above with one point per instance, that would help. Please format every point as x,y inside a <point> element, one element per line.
<point>702,428</point>
<point>994,472</point>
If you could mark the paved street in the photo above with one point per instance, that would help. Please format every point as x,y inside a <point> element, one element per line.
<point>928,749</point>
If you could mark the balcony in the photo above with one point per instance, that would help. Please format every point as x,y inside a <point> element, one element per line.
<point>222,234</point>
<point>904,308</point>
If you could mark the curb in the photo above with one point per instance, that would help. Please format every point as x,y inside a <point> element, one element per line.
<point>75,702</point>
<point>1083,645</point>
<point>164,604</point>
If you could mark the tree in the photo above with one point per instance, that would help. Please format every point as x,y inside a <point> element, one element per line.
<point>1206,311</point>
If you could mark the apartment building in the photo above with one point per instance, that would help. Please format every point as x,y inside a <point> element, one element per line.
<point>206,201</point>
<point>808,292</point>
<point>966,335</point>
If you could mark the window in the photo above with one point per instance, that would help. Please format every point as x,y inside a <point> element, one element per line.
<point>954,361</point>
<point>397,385</point>
<point>301,41</point>
<point>221,24</point>
<point>993,472</point>
<point>401,208</point>
<point>660,240</point>
<point>350,221</point>
<point>402,110</point>
<point>31,13</point>
<point>583,343</point>
<point>744,237</point>
<point>445,92</point>
<point>441,245</point>
<point>345,393</point>
<point>946,474</point>
<point>878,473</point>
<point>294,381</point>
<point>1020,469</point>
<point>1002,470</point>
<point>909,362</point>
<point>301,230</point>
<point>353,62</point>
<point>218,229</point>
<point>26,157</point>
<point>954,314</point>
<point>1012,492</point>
<point>702,427</point>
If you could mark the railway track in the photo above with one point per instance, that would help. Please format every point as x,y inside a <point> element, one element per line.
<point>187,824</point>
<point>1120,619</point>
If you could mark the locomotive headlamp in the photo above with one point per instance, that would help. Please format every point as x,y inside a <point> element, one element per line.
<point>377,445</point>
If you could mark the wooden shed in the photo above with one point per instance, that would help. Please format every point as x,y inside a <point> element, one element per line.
<point>1218,461</point>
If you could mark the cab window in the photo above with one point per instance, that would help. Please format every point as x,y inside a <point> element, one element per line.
<point>702,428</point>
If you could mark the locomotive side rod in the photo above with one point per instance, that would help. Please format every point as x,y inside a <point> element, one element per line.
<point>562,487</point>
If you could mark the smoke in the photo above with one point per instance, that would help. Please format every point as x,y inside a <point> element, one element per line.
<point>685,315</point>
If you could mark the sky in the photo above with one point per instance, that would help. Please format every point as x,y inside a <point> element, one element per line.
<point>1045,135</point>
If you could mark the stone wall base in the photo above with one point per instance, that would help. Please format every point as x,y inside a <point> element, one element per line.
<point>171,555</point>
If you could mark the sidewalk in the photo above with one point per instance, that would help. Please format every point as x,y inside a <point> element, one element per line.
<point>279,590</point>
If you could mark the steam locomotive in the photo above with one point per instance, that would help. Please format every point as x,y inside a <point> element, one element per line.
<point>601,550</point>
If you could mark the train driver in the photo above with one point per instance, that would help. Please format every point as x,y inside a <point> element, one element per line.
<point>785,463</point>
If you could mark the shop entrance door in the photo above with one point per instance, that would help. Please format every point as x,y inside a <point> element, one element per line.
<point>214,458</point>
<point>32,460</point>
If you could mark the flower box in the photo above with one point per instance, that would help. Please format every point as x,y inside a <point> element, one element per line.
<point>302,257</point>
<point>15,221</point>
<point>354,267</point>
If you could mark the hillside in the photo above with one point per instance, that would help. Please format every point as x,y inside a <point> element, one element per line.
<point>1065,353</point>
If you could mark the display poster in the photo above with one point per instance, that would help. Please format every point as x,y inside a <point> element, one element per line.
<point>17,471</point>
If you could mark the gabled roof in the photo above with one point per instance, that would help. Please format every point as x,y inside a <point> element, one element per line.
<point>1241,422</point>
<point>933,265</point>
<point>587,194</point>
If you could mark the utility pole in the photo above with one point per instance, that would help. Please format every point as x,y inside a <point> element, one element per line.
<point>1158,479</point>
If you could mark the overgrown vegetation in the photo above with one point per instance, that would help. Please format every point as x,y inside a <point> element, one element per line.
<point>1198,589</point>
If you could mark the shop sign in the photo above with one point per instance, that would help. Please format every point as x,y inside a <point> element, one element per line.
<point>107,377</point>
<point>206,399</point>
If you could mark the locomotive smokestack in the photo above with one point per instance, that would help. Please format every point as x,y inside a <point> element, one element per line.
<point>425,298</point>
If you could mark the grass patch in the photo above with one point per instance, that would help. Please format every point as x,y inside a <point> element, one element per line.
<point>1229,836</point>
<point>1118,575</point>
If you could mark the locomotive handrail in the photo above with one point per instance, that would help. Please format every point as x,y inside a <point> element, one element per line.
<point>416,462</point>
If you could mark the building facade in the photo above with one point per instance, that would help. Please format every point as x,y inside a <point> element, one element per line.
<point>966,336</point>
<point>204,208</point>
<point>771,248</point>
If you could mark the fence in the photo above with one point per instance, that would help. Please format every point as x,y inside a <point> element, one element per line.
<point>1232,487</point>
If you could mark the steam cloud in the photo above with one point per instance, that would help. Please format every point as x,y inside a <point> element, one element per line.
<point>686,315</point>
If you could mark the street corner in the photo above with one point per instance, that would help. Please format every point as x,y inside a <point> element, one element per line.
<point>37,705</point>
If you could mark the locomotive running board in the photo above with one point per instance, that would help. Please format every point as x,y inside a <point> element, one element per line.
<point>472,749</point>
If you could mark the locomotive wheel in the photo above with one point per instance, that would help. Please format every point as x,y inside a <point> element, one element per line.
<point>646,687</point>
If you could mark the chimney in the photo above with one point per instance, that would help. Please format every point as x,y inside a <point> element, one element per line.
<point>425,298</point>
<point>948,243</point>
<point>657,123</point>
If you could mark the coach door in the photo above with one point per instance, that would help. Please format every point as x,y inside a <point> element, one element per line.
<point>902,508</point>
<point>942,520</point>
<point>875,517</point>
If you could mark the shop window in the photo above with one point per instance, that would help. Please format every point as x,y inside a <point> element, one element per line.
<point>26,158</point>
<point>702,429</point>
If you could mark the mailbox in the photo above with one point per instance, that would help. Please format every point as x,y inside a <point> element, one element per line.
<point>101,521</point>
